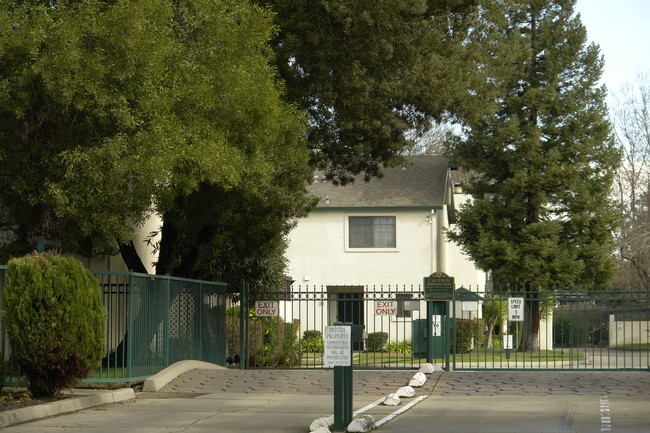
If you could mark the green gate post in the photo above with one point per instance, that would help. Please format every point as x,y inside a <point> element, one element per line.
<point>343,388</point>
<point>439,291</point>
<point>439,345</point>
<point>430,333</point>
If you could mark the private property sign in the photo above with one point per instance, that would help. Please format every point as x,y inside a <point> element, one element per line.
<point>385,308</point>
<point>267,308</point>
<point>338,346</point>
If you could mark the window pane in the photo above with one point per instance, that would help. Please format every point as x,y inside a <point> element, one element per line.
<point>372,232</point>
<point>384,232</point>
<point>361,234</point>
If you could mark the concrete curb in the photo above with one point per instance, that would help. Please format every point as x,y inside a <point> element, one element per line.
<point>25,414</point>
<point>156,382</point>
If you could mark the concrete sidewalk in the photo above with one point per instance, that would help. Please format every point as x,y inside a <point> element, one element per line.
<point>227,400</point>
<point>287,401</point>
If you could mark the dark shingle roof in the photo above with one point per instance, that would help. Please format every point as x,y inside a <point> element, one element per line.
<point>420,183</point>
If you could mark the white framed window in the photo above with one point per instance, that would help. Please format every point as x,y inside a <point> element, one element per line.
<point>371,233</point>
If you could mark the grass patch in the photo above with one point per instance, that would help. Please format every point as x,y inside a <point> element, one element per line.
<point>633,346</point>
<point>500,355</point>
<point>311,359</point>
<point>380,358</point>
<point>478,356</point>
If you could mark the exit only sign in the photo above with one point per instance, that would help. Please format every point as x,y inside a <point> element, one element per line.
<point>267,308</point>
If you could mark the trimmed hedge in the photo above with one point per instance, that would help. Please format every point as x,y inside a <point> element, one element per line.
<point>55,320</point>
<point>469,334</point>
<point>312,342</point>
<point>377,341</point>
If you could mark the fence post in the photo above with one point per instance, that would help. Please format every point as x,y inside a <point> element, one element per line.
<point>243,325</point>
<point>130,332</point>
<point>166,307</point>
<point>42,243</point>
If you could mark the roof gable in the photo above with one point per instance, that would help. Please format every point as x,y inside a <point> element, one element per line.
<point>421,183</point>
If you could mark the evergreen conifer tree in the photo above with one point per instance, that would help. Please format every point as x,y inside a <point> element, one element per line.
<point>541,215</point>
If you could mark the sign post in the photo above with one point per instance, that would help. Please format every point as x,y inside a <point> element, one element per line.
<point>338,354</point>
<point>515,314</point>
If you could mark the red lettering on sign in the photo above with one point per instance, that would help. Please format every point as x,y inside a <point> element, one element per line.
<point>266,311</point>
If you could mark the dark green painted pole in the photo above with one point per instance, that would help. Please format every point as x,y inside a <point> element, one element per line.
<point>243,325</point>
<point>342,397</point>
<point>429,331</point>
<point>343,392</point>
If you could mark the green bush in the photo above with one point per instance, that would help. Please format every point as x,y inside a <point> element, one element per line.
<point>469,334</point>
<point>278,345</point>
<point>377,341</point>
<point>400,347</point>
<point>232,331</point>
<point>55,320</point>
<point>312,342</point>
<point>271,342</point>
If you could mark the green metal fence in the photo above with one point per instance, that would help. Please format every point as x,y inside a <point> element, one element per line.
<point>577,330</point>
<point>152,322</point>
<point>561,329</point>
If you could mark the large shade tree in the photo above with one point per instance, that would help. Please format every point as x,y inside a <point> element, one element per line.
<point>113,110</point>
<point>541,215</point>
<point>373,74</point>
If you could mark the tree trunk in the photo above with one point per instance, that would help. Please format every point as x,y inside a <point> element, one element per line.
<point>150,313</point>
<point>168,252</point>
<point>530,333</point>
<point>489,344</point>
<point>131,258</point>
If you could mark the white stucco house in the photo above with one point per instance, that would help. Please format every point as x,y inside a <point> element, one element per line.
<point>383,235</point>
<point>387,231</point>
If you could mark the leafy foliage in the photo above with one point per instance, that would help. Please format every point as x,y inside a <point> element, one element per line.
<point>469,334</point>
<point>369,72</point>
<point>544,157</point>
<point>312,342</point>
<point>400,347</point>
<point>544,160</point>
<point>55,320</point>
<point>271,342</point>
<point>495,312</point>
<point>377,341</point>
<point>112,110</point>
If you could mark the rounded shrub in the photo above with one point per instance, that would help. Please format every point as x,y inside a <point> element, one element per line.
<point>312,342</point>
<point>55,320</point>
<point>377,341</point>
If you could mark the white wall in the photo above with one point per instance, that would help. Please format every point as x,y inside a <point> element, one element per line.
<point>317,253</point>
